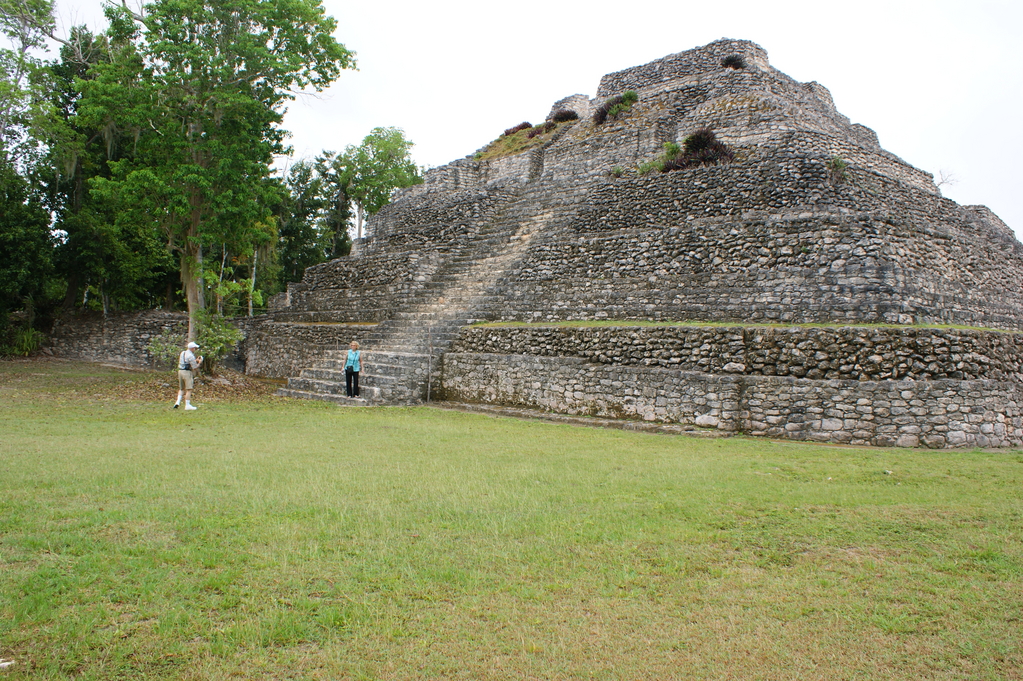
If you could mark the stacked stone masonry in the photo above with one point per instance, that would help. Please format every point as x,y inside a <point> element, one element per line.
<point>876,386</point>
<point>813,222</point>
<point>117,338</point>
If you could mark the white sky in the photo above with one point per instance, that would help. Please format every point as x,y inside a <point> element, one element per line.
<point>940,81</point>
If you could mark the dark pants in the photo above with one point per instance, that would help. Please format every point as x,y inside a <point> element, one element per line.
<point>351,383</point>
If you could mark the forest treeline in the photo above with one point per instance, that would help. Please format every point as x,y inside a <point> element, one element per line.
<point>137,163</point>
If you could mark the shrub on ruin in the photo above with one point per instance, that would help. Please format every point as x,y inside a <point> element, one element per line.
<point>650,166</point>
<point>733,61</point>
<point>525,125</point>
<point>564,115</point>
<point>614,106</point>
<point>545,127</point>
<point>702,148</point>
<point>837,168</point>
<point>699,149</point>
<point>671,151</point>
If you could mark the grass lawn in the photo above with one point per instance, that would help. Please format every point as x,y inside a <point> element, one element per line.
<point>259,538</point>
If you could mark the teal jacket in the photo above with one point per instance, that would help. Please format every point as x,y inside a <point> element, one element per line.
<point>353,360</point>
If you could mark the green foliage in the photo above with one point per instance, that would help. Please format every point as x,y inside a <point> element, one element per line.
<point>217,338</point>
<point>149,147</point>
<point>202,88</point>
<point>650,166</point>
<point>25,242</point>
<point>837,170</point>
<point>300,244</point>
<point>672,150</point>
<point>26,340</point>
<point>165,348</point>
<point>617,109</point>
<point>700,148</point>
<point>615,106</point>
<point>364,177</point>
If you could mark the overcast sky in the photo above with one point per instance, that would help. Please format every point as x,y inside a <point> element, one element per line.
<point>940,81</point>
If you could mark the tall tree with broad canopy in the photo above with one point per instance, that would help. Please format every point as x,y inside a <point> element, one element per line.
<point>200,88</point>
<point>364,176</point>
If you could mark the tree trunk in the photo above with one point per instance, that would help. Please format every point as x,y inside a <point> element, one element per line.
<point>360,214</point>
<point>220,296</point>
<point>252,286</point>
<point>191,259</point>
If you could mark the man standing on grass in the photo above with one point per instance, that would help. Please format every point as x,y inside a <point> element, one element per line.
<point>187,365</point>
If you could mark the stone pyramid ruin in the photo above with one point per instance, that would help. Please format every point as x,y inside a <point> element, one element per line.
<point>820,286</point>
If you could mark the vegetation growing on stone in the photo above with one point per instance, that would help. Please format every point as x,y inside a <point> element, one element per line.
<point>564,115</point>
<point>614,106</point>
<point>525,125</point>
<point>733,61</point>
<point>702,148</point>
<point>548,126</point>
<point>514,141</point>
<point>837,168</point>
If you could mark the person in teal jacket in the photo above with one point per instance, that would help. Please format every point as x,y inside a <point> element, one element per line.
<point>352,368</point>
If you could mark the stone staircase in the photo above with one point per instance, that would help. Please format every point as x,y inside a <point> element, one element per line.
<point>400,356</point>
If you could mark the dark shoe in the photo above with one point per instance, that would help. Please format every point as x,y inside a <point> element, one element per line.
<point>175,406</point>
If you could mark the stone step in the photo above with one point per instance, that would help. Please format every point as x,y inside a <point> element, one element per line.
<point>336,399</point>
<point>366,378</point>
<point>311,385</point>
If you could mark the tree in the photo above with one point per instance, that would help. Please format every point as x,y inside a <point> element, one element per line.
<point>119,264</point>
<point>365,177</point>
<point>382,164</point>
<point>300,243</point>
<point>24,23</point>
<point>25,243</point>
<point>200,87</point>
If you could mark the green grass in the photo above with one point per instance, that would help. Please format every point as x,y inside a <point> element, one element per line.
<point>509,145</point>
<point>275,539</point>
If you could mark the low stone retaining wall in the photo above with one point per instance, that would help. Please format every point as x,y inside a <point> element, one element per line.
<point>933,413</point>
<point>885,386</point>
<point>858,353</point>
<point>121,338</point>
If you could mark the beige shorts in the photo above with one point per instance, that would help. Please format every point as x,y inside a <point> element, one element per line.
<point>184,380</point>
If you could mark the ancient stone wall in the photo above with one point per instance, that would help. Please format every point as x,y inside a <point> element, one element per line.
<point>847,353</point>
<point>282,349</point>
<point>812,221</point>
<point>365,289</point>
<point>686,245</point>
<point>119,338</point>
<point>943,413</point>
<point>675,66</point>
